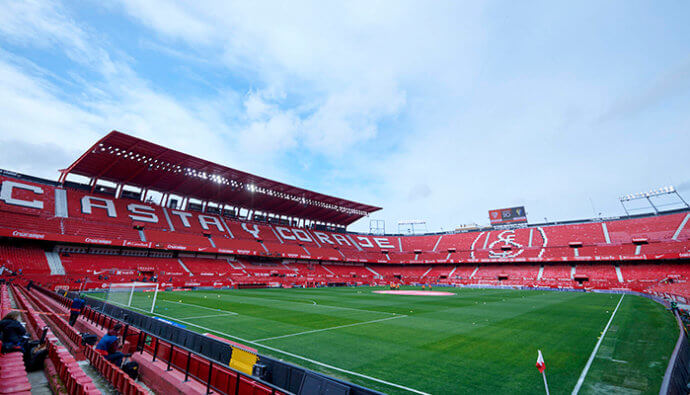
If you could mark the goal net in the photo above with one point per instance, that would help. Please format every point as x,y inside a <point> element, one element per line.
<point>136,296</point>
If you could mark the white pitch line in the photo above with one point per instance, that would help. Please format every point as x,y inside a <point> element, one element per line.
<point>198,305</point>
<point>351,308</point>
<point>325,365</point>
<point>328,329</point>
<point>209,316</point>
<point>594,352</point>
<point>316,304</point>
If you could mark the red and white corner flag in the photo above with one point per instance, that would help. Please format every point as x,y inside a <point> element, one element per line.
<point>540,362</point>
<point>541,366</point>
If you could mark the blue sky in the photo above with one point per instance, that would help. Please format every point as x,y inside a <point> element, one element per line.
<point>437,111</point>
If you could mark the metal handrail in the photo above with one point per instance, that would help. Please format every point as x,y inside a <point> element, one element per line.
<point>675,358</point>
<point>95,316</point>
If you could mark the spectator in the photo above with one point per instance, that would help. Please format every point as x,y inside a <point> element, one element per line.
<point>110,345</point>
<point>13,333</point>
<point>77,306</point>
<point>35,356</point>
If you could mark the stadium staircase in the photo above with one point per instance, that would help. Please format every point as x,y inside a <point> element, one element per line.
<point>60,364</point>
<point>374,272</point>
<point>185,267</point>
<point>619,274</point>
<point>681,227</point>
<point>54,263</point>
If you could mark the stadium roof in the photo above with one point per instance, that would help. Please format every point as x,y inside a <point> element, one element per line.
<point>128,160</point>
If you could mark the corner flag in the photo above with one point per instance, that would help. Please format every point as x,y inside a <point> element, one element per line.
<point>540,362</point>
<point>541,366</point>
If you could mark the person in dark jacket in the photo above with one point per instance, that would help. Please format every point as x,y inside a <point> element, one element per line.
<point>13,333</point>
<point>109,346</point>
<point>77,306</point>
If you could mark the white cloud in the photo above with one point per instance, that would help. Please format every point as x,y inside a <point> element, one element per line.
<point>345,67</point>
<point>350,117</point>
<point>30,111</point>
<point>435,111</point>
<point>175,19</point>
<point>46,25</point>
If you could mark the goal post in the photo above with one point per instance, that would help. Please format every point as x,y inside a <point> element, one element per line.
<point>137,295</point>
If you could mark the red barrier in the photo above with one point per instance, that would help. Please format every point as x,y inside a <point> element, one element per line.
<point>119,379</point>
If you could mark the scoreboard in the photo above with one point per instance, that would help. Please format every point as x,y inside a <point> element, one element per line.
<point>513,215</point>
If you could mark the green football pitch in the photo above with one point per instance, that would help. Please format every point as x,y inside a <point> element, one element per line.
<point>473,341</point>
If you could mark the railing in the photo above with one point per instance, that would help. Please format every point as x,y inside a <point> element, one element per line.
<point>677,374</point>
<point>216,377</point>
<point>116,376</point>
<point>286,377</point>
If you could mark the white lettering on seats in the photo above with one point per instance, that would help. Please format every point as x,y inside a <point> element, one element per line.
<point>6,194</point>
<point>88,203</point>
<point>285,233</point>
<point>204,220</point>
<point>183,217</point>
<point>364,242</point>
<point>143,213</point>
<point>323,237</point>
<point>302,235</point>
<point>340,239</point>
<point>254,232</point>
<point>29,235</point>
<point>383,242</point>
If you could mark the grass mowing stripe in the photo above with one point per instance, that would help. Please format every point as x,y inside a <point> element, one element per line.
<point>331,328</point>
<point>325,365</point>
<point>313,303</point>
<point>196,305</point>
<point>594,352</point>
<point>351,308</point>
<point>209,316</point>
<point>446,345</point>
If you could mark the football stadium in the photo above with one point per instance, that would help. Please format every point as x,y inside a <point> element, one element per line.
<point>273,295</point>
<point>263,197</point>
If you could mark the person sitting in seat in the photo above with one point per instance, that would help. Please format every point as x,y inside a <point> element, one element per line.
<point>109,346</point>
<point>13,333</point>
<point>35,355</point>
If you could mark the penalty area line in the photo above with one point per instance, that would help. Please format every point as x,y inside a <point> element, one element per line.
<point>200,306</point>
<point>328,329</point>
<point>581,380</point>
<point>313,302</point>
<point>210,316</point>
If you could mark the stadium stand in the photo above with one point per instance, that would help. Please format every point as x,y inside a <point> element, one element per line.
<point>556,272</point>
<point>563,235</point>
<point>71,375</point>
<point>165,367</point>
<point>70,236</point>
<point>28,259</point>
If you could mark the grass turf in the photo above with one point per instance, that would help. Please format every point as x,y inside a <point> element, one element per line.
<point>475,341</point>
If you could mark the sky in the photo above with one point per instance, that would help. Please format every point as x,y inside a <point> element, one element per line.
<point>435,111</point>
